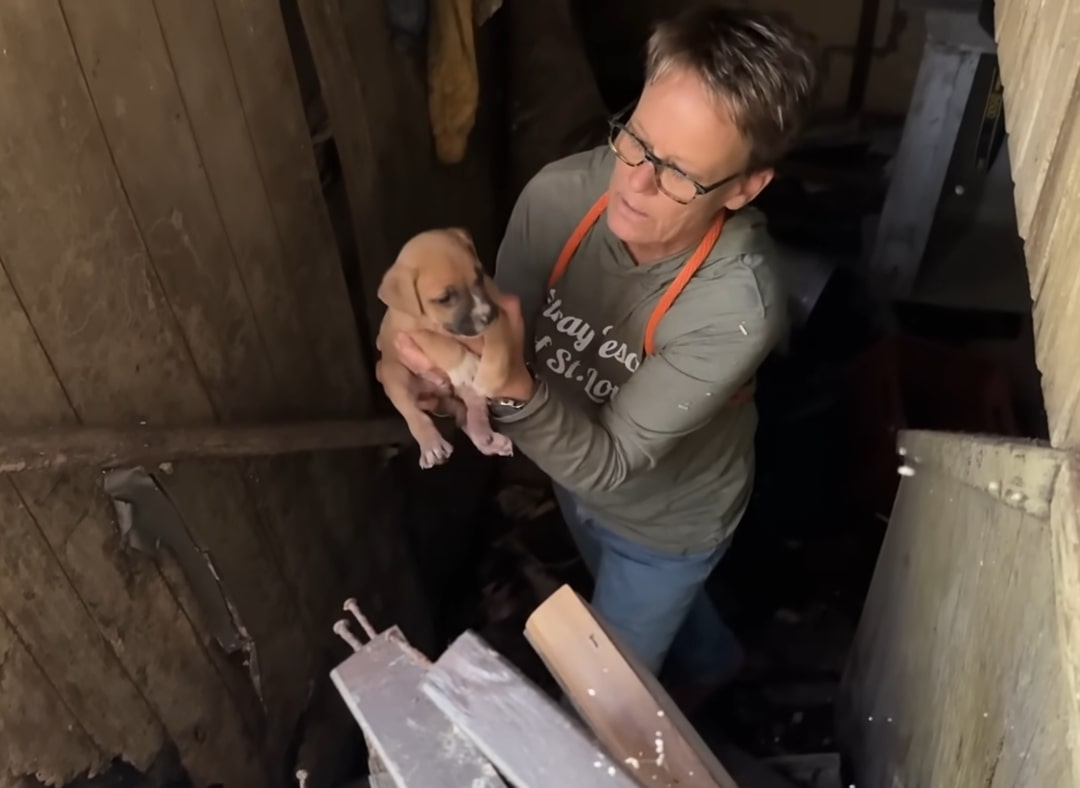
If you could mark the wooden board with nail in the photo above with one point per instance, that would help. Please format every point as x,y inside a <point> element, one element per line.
<point>626,707</point>
<point>417,744</point>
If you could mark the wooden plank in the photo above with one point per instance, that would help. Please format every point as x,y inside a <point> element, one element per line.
<point>130,603</point>
<point>68,244</point>
<point>128,599</point>
<point>144,118</point>
<point>38,734</point>
<point>150,632</point>
<point>419,746</point>
<point>267,85</point>
<point>623,704</point>
<point>77,264</point>
<point>44,608</point>
<point>1040,98</point>
<point>1054,281</point>
<point>219,520</point>
<point>103,447</point>
<point>1065,524</point>
<point>350,110</point>
<point>942,87</point>
<point>196,49</point>
<point>964,617</point>
<point>532,742</point>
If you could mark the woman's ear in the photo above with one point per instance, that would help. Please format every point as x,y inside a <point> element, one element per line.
<point>750,187</point>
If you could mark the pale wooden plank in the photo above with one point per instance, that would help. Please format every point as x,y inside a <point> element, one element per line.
<point>267,85</point>
<point>1065,523</point>
<point>38,734</point>
<point>966,583</point>
<point>532,742</point>
<point>623,704</point>
<point>417,744</point>
<point>1052,254</point>
<point>1045,87</point>
<point>1062,183</point>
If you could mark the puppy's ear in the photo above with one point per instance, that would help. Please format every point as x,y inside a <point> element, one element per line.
<point>465,236</point>
<point>398,289</point>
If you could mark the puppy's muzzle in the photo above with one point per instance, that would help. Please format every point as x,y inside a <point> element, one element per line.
<point>482,313</point>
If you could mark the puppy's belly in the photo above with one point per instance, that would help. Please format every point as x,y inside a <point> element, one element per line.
<point>462,375</point>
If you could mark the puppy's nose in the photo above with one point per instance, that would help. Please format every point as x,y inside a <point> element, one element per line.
<point>483,312</point>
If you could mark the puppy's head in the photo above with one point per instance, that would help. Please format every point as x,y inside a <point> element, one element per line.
<point>438,277</point>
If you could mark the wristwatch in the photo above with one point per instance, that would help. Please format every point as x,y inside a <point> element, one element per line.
<point>505,406</point>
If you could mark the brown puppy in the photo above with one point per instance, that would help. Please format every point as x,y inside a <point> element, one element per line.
<point>437,290</point>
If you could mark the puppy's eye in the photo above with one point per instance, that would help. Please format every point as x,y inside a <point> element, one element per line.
<point>445,298</point>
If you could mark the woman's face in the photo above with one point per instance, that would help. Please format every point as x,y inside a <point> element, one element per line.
<point>681,123</point>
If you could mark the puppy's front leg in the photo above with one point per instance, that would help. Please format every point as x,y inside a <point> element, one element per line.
<point>478,426</point>
<point>461,365</point>
<point>401,388</point>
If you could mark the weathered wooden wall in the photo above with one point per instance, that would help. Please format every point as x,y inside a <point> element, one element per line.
<point>966,666</point>
<point>1037,45</point>
<point>377,98</point>
<point>166,258</point>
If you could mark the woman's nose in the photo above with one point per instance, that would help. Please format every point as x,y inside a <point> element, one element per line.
<point>643,178</point>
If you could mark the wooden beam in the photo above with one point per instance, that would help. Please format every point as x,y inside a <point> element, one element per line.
<point>108,447</point>
<point>625,706</point>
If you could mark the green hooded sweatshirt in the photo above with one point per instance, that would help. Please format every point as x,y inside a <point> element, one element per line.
<point>650,445</point>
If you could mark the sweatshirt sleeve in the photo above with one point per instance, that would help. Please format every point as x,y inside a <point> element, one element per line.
<point>672,394</point>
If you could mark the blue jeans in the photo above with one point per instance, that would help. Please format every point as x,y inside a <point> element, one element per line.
<point>655,601</point>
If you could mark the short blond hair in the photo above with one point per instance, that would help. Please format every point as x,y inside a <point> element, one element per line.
<point>760,69</point>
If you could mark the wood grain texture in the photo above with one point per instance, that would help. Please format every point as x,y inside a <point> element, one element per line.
<point>199,57</point>
<point>142,113</point>
<point>977,591</point>
<point>1041,79</point>
<point>55,448</point>
<point>266,83</point>
<point>38,733</point>
<point>66,230</point>
<point>416,743</point>
<point>126,598</point>
<point>532,742</point>
<point>623,704</point>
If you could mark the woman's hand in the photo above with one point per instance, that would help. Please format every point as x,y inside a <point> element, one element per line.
<point>519,383</point>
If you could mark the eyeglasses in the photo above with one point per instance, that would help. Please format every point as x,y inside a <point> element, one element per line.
<point>670,179</point>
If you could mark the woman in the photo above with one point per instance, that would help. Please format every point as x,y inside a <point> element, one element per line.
<point>643,291</point>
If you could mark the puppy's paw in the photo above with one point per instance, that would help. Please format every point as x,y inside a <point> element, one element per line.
<point>463,373</point>
<point>434,450</point>
<point>498,446</point>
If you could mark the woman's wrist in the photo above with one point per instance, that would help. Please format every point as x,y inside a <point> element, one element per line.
<point>520,386</point>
